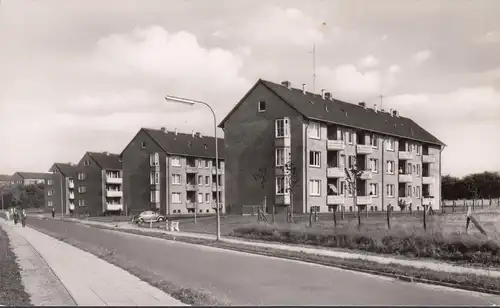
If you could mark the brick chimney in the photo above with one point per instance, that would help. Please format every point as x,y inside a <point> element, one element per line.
<point>304,88</point>
<point>287,84</point>
<point>164,129</point>
<point>175,131</point>
<point>375,108</point>
<point>328,95</point>
<point>362,104</point>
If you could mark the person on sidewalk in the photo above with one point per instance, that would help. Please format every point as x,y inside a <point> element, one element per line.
<point>53,213</point>
<point>23,218</point>
<point>16,217</point>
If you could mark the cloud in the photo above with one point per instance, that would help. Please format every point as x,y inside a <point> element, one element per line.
<point>290,26</point>
<point>385,37</point>
<point>393,69</point>
<point>465,119</point>
<point>369,61</point>
<point>347,81</point>
<point>422,56</point>
<point>490,37</point>
<point>155,53</point>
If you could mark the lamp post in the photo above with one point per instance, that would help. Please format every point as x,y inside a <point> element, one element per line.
<point>192,102</point>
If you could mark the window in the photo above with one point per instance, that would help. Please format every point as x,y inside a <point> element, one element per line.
<point>50,192</point>
<point>390,190</point>
<point>282,156</point>
<point>409,191</point>
<point>373,189</point>
<point>50,182</point>
<point>143,144</point>
<point>417,192</point>
<point>408,170</point>
<point>280,185</point>
<point>418,170</point>
<point>81,176</point>
<point>349,137</point>
<point>314,159</point>
<point>176,197</point>
<point>200,180</point>
<point>390,167</point>
<point>352,161</point>
<point>414,168</point>
<point>200,163</point>
<point>86,163</point>
<point>82,189</point>
<point>282,127</point>
<point>200,198</point>
<point>154,196</point>
<point>418,149</point>
<point>342,188</point>
<point>207,198</point>
<point>50,204</point>
<point>154,178</point>
<point>389,144</point>
<point>176,179</point>
<point>262,106</point>
<point>207,164</point>
<point>176,161</point>
<point>207,180</point>
<point>81,202</point>
<point>374,165</point>
<point>154,159</point>
<point>374,140</point>
<point>315,188</point>
<point>314,130</point>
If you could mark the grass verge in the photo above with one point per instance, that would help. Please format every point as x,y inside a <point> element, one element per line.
<point>12,292</point>
<point>464,281</point>
<point>457,248</point>
<point>186,295</point>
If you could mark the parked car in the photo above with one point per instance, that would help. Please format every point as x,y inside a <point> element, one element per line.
<point>148,216</point>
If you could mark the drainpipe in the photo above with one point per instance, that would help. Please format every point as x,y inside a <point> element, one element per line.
<point>382,172</point>
<point>306,183</point>
<point>440,192</point>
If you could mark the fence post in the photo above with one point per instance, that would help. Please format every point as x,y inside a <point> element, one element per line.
<point>482,203</point>
<point>342,213</point>
<point>453,206</point>
<point>425,223</point>
<point>274,215</point>
<point>335,216</point>
<point>389,217</point>
<point>366,212</point>
<point>310,216</point>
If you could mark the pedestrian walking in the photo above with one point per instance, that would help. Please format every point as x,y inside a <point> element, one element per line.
<point>24,217</point>
<point>53,213</point>
<point>7,215</point>
<point>16,217</point>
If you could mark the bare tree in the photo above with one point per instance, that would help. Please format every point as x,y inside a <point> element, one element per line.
<point>473,188</point>
<point>261,177</point>
<point>353,174</point>
<point>292,179</point>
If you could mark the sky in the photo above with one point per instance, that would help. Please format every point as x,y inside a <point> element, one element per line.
<point>85,75</point>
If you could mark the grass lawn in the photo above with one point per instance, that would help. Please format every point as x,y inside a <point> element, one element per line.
<point>444,239</point>
<point>12,292</point>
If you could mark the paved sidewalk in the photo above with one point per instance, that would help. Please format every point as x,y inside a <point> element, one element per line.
<point>89,280</point>
<point>430,264</point>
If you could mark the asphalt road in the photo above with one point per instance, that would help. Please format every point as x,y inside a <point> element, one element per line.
<point>245,279</point>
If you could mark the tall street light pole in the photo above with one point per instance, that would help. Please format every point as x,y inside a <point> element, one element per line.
<point>192,102</point>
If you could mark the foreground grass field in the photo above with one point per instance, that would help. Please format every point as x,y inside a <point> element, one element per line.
<point>443,239</point>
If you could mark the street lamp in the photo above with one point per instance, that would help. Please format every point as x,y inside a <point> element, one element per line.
<point>192,102</point>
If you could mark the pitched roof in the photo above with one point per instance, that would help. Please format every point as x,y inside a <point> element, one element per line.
<point>5,177</point>
<point>66,169</point>
<point>106,160</point>
<point>185,144</point>
<point>313,106</point>
<point>32,175</point>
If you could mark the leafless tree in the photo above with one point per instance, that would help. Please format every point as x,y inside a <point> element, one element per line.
<point>261,177</point>
<point>292,177</point>
<point>353,174</point>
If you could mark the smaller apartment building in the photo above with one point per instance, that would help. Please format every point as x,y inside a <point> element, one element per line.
<point>173,173</point>
<point>60,188</point>
<point>99,184</point>
<point>28,178</point>
<point>5,179</point>
<point>275,126</point>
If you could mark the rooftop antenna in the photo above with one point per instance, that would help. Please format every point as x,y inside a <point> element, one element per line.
<point>381,101</point>
<point>314,68</point>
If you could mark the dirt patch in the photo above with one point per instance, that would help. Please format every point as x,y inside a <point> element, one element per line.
<point>12,292</point>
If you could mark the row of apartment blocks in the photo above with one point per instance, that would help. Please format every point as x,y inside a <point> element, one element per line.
<point>165,171</point>
<point>320,138</point>
<point>23,178</point>
<point>271,127</point>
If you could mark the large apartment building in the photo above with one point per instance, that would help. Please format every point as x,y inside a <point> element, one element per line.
<point>28,178</point>
<point>275,127</point>
<point>60,188</point>
<point>98,184</point>
<point>173,173</point>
